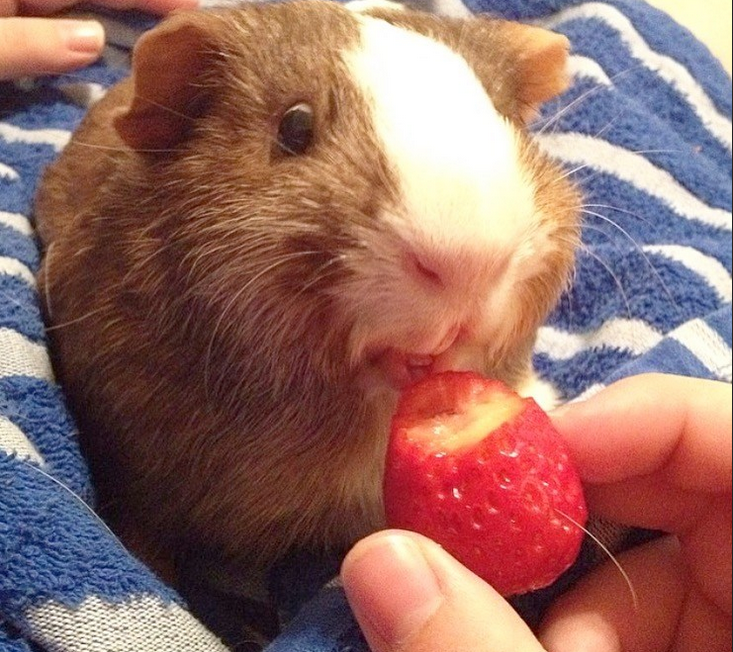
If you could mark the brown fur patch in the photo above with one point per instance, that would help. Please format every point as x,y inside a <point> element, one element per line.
<point>203,347</point>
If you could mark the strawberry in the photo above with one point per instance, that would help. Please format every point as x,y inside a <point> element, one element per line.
<point>484,473</point>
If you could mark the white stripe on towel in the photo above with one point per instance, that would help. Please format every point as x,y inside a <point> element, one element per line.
<point>83,94</point>
<point>8,172</point>
<point>667,68</point>
<point>139,624</point>
<point>16,221</point>
<point>453,8</point>
<point>57,138</point>
<point>13,267</point>
<point>706,345</point>
<point>709,268</point>
<point>21,357</point>
<point>14,442</point>
<point>579,66</point>
<point>631,335</point>
<point>634,169</point>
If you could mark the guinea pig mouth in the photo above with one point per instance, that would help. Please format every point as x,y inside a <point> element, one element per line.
<point>400,368</point>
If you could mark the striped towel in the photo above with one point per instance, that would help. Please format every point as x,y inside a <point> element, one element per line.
<point>646,130</point>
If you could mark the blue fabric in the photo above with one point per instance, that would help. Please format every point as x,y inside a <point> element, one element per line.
<point>652,292</point>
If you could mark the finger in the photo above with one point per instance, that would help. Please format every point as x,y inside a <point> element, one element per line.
<point>702,628</point>
<point>8,8</point>
<point>159,7</point>
<point>42,7</point>
<point>599,614</point>
<point>651,503</point>
<point>409,595</point>
<point>678,428</point>
<point>707,550</point>
<point>46,7</point>
<point>706,539</point>
<point>30,46</point>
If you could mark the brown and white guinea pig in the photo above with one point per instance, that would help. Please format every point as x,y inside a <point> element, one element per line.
<point>287,213</point>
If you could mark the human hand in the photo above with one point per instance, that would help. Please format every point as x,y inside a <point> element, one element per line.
<point>655,451</point>
<point>31,44</point>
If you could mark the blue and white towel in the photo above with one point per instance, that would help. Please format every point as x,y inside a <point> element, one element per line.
<point>645,128</point>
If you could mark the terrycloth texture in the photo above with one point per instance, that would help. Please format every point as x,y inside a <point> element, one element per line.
<point>646,129</point>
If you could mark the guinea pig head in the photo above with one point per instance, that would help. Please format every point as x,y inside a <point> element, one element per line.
<point>332,203</point>
<point>353,192</point>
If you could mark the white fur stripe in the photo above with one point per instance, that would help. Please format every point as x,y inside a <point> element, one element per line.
<point>634,169</point>
<point>579,66</point>
<point>632,335</point>
<point>706,345</point>
<point>711,269</point>
<point>13,267</point>
<point>14,442</point>
<point>8,172</point>
<point>143,624</point>
<point>21,357</point>
<point>667,68</point>
<point>57,138</point>
<point>16,221</point>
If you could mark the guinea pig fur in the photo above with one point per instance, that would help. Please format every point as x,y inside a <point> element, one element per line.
<point>287,213</point>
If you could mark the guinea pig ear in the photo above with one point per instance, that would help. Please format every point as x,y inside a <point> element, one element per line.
<point>541,66</point>
<point>167,65</point>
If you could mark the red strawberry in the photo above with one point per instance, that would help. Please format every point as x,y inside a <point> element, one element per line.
<point>484,473</point>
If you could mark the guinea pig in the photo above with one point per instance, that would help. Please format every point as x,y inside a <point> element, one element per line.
<point>286,214</point>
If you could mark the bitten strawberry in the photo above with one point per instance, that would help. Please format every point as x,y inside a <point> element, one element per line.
<point>483,472</point>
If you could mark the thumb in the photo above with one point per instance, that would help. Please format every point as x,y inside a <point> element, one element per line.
<point>30,46</point>
<point>409,595</point>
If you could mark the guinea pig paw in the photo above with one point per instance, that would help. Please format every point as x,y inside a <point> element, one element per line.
<point>542,391</point>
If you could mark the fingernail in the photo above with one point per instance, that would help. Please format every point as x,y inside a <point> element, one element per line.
<point>390,586</point>
<point>86,37</point>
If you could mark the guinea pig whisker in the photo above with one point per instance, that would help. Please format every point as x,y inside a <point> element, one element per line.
<point>550,120</point>
<point>639,249</point>
<point>317,276</point>
<point>235,299</point>
<point>71,322</point>
<point>572,171</point>
<point>657,151</point>
<point>82,503</point>
<point>614,276</point>
<point>25,308</point>
<point>607,126</point>
<point>604,232</point>
<point>164,107</point>
<point>555,118</point>
<point>125,148</point>
<point>614,560</point>
<point>210,253</point>
<point>618,209</point>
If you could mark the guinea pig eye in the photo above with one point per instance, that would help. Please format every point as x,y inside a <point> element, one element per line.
<point>295,133</point>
